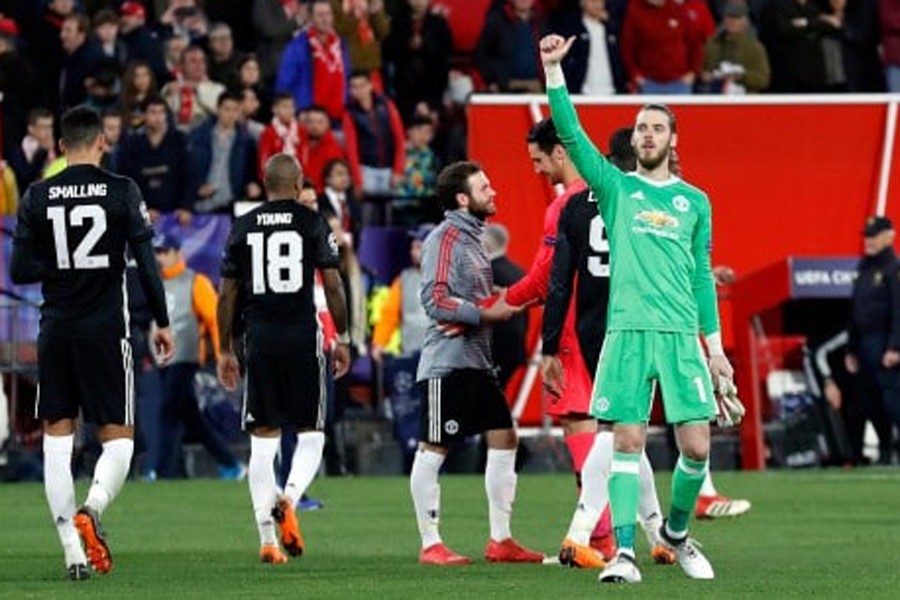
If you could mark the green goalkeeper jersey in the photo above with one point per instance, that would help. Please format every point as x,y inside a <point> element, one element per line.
<point>660,236</point>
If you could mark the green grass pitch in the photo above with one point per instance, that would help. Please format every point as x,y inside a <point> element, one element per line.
<point>816,534</point>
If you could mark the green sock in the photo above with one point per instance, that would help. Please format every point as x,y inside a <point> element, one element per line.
<point>624,493</point>
<point>686,482</point>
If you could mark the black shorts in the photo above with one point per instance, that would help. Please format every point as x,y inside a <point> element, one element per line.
<point>286,387</point>
<point>94,375</point>
<point>462,403</point>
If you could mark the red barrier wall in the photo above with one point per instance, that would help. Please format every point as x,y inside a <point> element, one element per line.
<point>784,179</point>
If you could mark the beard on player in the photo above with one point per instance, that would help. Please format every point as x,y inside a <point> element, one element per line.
<point>650,156</point>
<point>482,210</point>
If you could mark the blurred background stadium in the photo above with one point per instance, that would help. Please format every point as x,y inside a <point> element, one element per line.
<point>787,118</point>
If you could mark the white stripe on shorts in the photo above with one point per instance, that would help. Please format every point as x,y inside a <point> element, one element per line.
<point>128,367</point>
<point>323,368</point>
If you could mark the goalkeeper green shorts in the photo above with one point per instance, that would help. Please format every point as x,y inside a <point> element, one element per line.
<point>633,362</point>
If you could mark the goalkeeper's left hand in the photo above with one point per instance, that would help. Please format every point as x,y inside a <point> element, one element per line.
<point>729,409</point>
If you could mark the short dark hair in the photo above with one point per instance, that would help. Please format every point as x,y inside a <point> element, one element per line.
<point>80,127</point>
<point>81,21</point>
<point>419,120</point>
<point>36,114</point>
<point>453,180</point>
<point>111,112</point>
<point>331,165</point>
<point>621,152</point>
<point>105,16</point>
<point>227,95</point>
<point>543,133</point>
<point>361,73</point>
<point>191,49</point>
<point>673,125</point>
<point>282,97</point>
<point>317,108</point>
<point>154,101</point>
<point>281,173</point>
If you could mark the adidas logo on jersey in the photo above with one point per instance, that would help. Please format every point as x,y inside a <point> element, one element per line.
<point>638,195</point>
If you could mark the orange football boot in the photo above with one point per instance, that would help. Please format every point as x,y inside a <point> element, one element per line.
<point>88,525</point>
<point>582,557</point>
<point>288,526</point>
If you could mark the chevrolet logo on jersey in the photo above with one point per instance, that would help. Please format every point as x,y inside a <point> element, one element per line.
<point>657,218</point>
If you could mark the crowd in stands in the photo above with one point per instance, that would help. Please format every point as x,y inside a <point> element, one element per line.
<point>199,94</point>
<point>370,95</point>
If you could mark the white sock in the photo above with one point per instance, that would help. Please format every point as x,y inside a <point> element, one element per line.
<point>305,464</point>
<point>60,491</point>
<point>263,490</point>
<point>426,494</point>
<point>110,473</point>
<point>649,510</point>
<point>708,489</point>
<point>500,484</point>
<point>594,489</point>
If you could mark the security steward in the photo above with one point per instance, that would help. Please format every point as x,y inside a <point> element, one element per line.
<point>873,352</point>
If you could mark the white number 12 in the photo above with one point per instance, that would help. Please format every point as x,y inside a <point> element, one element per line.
<point>82,256</point>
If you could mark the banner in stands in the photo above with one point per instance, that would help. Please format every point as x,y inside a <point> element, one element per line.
<point>822,277</point>
<point>202,242</point>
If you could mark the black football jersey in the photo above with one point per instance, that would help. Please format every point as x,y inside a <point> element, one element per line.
<point>274,251</point>
<point>582,249</point>
<point>80,223</point>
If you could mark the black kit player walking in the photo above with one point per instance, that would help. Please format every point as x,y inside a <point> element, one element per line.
<point>270,264</point>
<point>72,234</point>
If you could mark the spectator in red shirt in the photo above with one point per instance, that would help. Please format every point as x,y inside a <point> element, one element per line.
<point>375,139</point>
<point>318,146</point>
<point>282,134</point>
<point>700,17</point>
<point>660,47</point>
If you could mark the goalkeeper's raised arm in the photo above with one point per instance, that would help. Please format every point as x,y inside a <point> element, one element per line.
<point>597,172</point>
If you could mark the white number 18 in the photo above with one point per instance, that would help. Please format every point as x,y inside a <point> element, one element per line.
<point>278,260</point>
